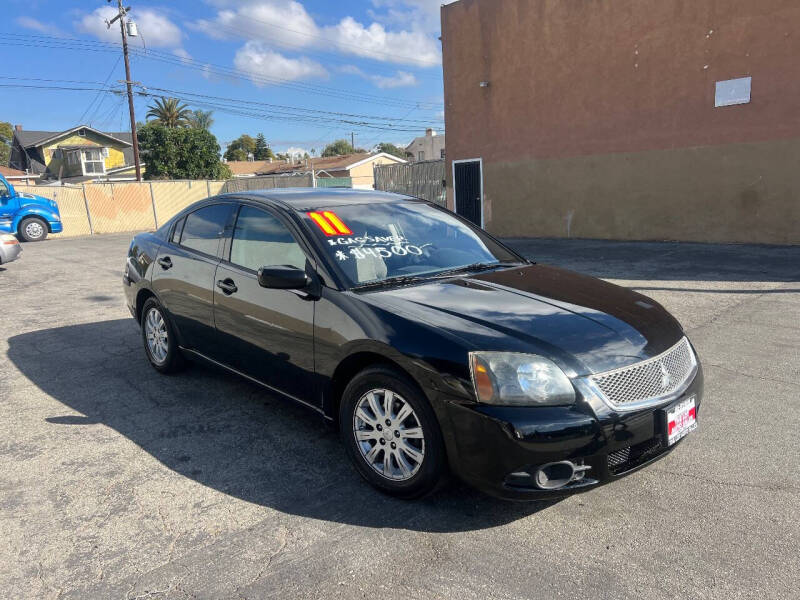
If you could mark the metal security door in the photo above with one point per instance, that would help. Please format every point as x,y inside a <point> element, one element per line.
<point>468,188</point>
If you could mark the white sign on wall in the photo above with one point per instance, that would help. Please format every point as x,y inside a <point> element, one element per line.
<point>733,91</point>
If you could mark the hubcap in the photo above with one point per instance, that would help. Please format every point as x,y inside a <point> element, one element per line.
<point>155,331</point>
<point>389,434</point>
<point>34,229</point>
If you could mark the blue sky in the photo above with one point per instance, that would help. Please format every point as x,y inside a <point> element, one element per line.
<point>269,66</point>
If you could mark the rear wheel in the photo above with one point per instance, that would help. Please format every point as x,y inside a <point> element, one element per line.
<point>391,433</point>
<point>159,340</point>
<point>32,229</point>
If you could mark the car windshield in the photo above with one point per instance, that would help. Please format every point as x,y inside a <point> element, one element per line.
<point>383,242</point>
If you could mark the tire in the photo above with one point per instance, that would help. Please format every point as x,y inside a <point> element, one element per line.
<point>159,340</point>
<point>32,229</point>
<point>404,440</point>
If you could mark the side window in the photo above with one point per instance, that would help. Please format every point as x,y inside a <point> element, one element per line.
<point>176,231</point>
<point>261,240</point>
<point>4,189</point>
<point>203,228</point>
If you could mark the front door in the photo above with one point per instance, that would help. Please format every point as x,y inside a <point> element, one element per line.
<point>183,276</point>
<point>468,189</point>
<point>265,333</point>
<point>9,205</point>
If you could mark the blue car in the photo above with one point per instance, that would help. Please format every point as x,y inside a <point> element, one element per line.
<point>30,217</point>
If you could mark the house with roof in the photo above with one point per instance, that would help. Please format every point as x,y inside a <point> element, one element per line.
<point>78,154</point>
<point>426,147</point>
<point>356,167</point>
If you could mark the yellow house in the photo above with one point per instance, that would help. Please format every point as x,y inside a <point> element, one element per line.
<point>77,154</point>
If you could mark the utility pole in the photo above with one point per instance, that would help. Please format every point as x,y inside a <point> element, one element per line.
<point>129,83</point>
<point>353,140</point>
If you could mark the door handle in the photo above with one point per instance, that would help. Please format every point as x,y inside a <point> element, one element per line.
<point>166,262</point>
<point>227,286</point>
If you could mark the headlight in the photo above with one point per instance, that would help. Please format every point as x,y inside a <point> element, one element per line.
<point>513,379</point>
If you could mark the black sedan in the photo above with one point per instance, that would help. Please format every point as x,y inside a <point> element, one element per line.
<point>431,346</point>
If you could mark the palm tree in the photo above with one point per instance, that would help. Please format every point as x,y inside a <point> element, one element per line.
<point>169,112</point>
<point>202,119</point>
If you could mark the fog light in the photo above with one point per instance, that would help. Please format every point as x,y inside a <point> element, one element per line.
<point>553,476</point>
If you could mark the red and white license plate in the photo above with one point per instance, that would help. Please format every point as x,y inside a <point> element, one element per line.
<point>681,420</point>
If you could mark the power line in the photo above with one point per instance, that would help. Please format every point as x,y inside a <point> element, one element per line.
<point>277,109</point>
<point>110,73</point>
<point>41,41</point>
<point>226,107</point>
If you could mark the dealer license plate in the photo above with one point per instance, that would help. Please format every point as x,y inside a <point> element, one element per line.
<point>681,420</point>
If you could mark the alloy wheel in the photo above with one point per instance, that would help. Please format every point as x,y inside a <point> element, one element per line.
<point>389,434</point>
<point>155,329</point>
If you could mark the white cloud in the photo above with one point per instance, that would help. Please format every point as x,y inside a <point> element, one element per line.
<point>374,41</point>
<point>30,23</point>
<point>423,14</point>
<point>281,22</point>
<point>258,60</point>
<point>155,29</point>
<point>399,79</point>
<point>296,152</point>
<point>287,23</point>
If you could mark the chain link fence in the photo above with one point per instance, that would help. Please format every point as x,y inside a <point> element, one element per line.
<point>421,179</point>
<point>115,207</point>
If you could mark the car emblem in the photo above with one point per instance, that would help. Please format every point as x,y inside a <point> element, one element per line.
<point>666,379</point>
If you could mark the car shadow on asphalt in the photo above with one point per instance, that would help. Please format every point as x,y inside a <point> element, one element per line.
<point>227,433</point>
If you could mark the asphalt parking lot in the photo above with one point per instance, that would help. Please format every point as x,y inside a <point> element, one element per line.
<point>116,482</point>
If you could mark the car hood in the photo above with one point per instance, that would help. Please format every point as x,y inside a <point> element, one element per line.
<point>31,199</point>
<point>585,324</point>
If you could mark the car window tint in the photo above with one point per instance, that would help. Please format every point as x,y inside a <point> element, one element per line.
<point>261,240</point>
<point>204,227</point>
<point>176,231</point>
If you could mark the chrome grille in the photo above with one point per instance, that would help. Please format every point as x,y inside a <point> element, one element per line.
<point>649,380</point>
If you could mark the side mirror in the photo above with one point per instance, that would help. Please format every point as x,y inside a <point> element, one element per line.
<point>283,278</point>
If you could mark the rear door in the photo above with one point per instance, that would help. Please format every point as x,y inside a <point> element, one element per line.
<point>183,277</point>
<point>468,190</point>
<point>267,334</point>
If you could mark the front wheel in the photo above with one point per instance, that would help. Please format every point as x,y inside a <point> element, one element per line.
<point>159,340</point>
<point>32,229</point>
<point>391,434</point>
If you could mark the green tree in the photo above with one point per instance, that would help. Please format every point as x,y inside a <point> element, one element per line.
<point>391,149</point>
<point>338,148</point>
<point>201,119</point>
<point>169,112</point>
<point>180,153</point>
<point>262,151</point>
<point>6,135</point>
<point>239,148</point>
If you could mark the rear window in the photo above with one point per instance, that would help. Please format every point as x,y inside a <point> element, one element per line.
<point>204,227</point>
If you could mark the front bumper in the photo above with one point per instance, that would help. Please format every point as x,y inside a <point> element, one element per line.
<point>490,443</point>
<point>56,227</point>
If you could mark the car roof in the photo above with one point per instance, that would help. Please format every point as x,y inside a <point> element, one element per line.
<point>304,199</point>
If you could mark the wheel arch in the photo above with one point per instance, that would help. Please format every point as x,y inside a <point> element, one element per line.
<point>141,297</point>
<point>351,366</point>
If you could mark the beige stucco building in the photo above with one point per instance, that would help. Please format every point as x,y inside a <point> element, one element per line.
<point>625,119</point>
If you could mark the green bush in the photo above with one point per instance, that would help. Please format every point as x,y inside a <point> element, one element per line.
<point>180,153</point>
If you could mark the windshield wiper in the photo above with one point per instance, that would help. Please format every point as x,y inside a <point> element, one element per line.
<point>473,267</point>
<point>398,280</point>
